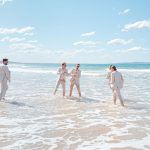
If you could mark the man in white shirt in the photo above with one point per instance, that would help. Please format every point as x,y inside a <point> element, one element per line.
<point>62,72</point>
<point>75,80</point>
<point>4,78</point>
<point>116,84</point>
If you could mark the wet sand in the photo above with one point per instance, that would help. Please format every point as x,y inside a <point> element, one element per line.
<point>69,124</point>
<point>33,119</point>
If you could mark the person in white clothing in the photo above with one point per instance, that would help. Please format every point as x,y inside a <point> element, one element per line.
<point>62,72</point>
<point>116,84</point>
<point>75,79</point>
<point>109,74</point>
<point>4,78</point>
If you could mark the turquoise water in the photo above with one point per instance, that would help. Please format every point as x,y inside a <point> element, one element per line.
<point>88,66</point>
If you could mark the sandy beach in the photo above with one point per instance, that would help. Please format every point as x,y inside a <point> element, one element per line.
<point>32,118</point>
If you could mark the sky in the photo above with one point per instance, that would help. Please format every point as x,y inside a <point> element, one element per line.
<point>75,31</point>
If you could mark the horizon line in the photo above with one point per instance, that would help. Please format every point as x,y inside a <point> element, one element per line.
<point>136,62</point>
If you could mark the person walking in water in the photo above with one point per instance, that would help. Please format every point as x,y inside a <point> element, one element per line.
<point>4,78</point>
<point>116,84</point>
<point>75,79</point>
<point>62,72</point>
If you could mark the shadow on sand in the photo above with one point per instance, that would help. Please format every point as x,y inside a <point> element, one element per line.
<point>19,104</point>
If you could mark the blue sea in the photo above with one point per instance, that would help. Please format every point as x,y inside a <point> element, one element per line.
<point>32,118</point>
<point>86,66</point>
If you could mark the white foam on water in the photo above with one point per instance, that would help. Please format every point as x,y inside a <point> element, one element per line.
<point>7,122</point>
<point>53,121</point>
<point>31,70</point>
<point>95,73</point>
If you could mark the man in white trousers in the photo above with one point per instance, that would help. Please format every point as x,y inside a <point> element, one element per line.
<point>4,78</point>
<point>62,72</point>
<point>116,84</point>
<point>75,80</point>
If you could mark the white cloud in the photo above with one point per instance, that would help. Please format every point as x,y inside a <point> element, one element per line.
<point>2,2</point>
<point>137,25</point>
<point>32,41</point>
<point>136,48</point>
<point>119,42</point>
<point>88,34</point>
<point>85,43</point>
<point>133,49</point>
<point>22,46</point>
<point>14,39</point>
<point>28,34</point>
<point>29,47</point>
<point>24,31</point>
<point>66,54</point>
<point>124,12</point>
<point>71,53</point>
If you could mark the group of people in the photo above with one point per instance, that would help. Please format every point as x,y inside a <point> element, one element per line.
<point>74,81</point>
<point>115,80</point>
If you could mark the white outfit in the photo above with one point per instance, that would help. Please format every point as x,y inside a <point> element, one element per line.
<point>116,84</point>
<point>109,77</point>
<point>75,80</point>
<point>76,74</point>
<point>4,77</point>
<point>62,79</point>
<point>116,80</point>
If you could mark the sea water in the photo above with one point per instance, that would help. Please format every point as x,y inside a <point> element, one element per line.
<point>32,118</point>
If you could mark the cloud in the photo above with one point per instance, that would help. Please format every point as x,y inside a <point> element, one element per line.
<point>29,47</point>
<point>3,2</point>
<point>22,46</point>
<point>14,39</point>
<point>137,25</point>
<point>124,12</point>
<point>28,34</point>
<point>32,41</point>
<point>119,42</point>
<point>136,48</point>
<point>24,31</point>
<point>71,53</point>
<point>88,34</point>
<point>85,43</point>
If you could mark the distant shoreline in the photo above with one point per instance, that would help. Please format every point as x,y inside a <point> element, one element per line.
<point>11,62</point>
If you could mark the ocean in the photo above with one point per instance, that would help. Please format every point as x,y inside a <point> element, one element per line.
<point>32,118</point>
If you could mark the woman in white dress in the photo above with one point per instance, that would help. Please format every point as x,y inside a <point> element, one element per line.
<point>116,84</point>
<point>75,79</point>
<point>62,72</point>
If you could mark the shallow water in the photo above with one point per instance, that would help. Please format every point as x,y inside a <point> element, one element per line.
<point>32,118</point>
